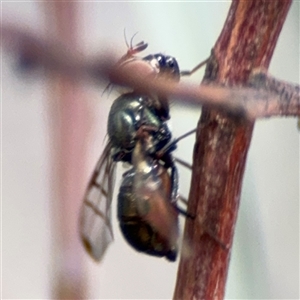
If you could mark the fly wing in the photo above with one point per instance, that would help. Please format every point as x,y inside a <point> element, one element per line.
<point>95,223</point>
<point>152,186</point>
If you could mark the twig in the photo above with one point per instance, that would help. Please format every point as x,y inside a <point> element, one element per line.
<point>246,43</point>
<point>67,114</point>
<point>266,96</point>
<point>254,99</point>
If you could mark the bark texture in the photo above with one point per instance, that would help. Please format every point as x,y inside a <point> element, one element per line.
<point>246,42</point>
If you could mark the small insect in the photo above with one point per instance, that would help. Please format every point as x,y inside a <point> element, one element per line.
<point>139,135</point>
<point>147,201</point>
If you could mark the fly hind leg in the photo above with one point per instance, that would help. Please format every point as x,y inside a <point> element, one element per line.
<point>189,73</point>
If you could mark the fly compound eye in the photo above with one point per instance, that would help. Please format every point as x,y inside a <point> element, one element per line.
<point>170,63</point>
<point>172,67</point>
<point>161,61</point>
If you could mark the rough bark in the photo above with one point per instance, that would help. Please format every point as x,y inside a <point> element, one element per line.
<point>246,42</point>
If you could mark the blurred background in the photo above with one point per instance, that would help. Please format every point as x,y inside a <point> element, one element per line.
<point>53,132</point>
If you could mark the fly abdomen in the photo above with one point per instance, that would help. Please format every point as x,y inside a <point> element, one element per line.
<point>137,231</point>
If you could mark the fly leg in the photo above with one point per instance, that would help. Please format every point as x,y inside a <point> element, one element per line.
<point>170,163</point>
<point>184,213</point>
<point>168,159</point>
<point>174,191</point>
<point>183,163</point>
<point>183,200</point>
<point>212,235</point>
<point>189,73</point>
<point>165,156</point>
<point>172,145</point>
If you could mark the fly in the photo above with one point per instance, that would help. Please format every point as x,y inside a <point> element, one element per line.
<point>139,135</point>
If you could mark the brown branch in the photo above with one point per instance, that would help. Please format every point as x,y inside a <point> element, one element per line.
<point>32,51</point>
<point>246,42</point>
<point>283,98</point>
<point>267,97</point>
<point>68,114</point>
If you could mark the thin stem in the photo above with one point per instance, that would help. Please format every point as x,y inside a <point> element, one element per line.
<point>254,99</point>
<point>246,43</point>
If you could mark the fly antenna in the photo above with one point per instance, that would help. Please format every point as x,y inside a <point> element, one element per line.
<point>131,41</point>
<point>132,50</point>
<point>125,38</point>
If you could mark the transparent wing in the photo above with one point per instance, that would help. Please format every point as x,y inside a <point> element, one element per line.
<point>95,223</point>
